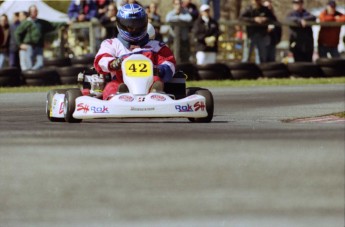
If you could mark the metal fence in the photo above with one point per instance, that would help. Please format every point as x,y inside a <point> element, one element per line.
<point>85,38</point>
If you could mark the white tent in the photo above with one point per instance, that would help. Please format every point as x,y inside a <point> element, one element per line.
<point>45,12</point>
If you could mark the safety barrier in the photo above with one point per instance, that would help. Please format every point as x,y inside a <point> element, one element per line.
<point>65,71</point>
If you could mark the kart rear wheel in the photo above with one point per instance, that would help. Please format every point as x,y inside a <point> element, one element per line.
<point>209,103</point>
<point>49,101</point>
<point>69,105</point>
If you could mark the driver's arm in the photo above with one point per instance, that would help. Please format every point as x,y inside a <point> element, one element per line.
<point>106,55</point>
<point>166,64</point>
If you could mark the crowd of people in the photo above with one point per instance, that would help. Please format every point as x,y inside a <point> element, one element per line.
<point>22,38</point>
<point>266,34</point>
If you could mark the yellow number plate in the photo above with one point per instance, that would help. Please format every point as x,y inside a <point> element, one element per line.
<point>138,68</point>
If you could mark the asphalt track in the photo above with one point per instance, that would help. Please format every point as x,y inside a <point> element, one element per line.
<point>246,168</point>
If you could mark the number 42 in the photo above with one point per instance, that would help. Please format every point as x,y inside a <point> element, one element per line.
<point>142,68</point>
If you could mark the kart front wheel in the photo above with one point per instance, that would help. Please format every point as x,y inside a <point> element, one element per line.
<point>209,104</point>
<point>69,105</point>
<point>49,101</point>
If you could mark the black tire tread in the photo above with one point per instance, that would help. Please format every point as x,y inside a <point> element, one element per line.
<point>71,96</point>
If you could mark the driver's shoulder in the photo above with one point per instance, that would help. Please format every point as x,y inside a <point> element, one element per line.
<point>154,45</point>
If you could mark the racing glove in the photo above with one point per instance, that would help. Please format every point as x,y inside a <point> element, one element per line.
<point>165,72</point>
<point>115,64</point>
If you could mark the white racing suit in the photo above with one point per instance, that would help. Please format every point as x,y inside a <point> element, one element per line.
<point>160,55</point>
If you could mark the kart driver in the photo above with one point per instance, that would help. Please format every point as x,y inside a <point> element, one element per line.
<point>132,22</point>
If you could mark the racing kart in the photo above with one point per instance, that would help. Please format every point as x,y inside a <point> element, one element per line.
<point>176,101</point>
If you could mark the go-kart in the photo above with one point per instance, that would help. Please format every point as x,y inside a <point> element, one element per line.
<point>176,101</point>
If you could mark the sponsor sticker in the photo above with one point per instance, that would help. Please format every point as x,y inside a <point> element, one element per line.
<point>99,109</point>
<point>142,109</point>
<point>61,109</point>
<point>160,98</point>
<point>126,98</point>
<point>83,107</point>
<point>184,108</point>
<point>199,106</point>
<point>141,99</point>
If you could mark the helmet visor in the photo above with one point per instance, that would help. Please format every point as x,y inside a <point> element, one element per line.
<point>133,26</point>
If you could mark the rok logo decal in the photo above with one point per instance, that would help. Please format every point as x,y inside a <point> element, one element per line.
<point>199,106</point>
<point>83,107</point>
<point>96,109</point>
<point>186,108</point>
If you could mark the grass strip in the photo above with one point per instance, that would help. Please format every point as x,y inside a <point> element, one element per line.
<point>266,82</point>
<point>205,83</point>
<point>342,114</point>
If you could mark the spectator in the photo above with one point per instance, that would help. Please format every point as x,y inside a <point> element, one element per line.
<point>301,35</point>
<point>23,15</point>
<point>275,34</point>
<point>124,2</point>
<point>109,21</point>
<point>5,40</point>
<point>238,33</point>
<point>206,32</point>
<point>155,20</point>
<point>257,33</point>
<point>239,37</point>
<point>102,7</point>
<point>26,35</point>
<point>216,7</point>
<point>178,14</point>
<point>191,8</point>
<point>30,38</point>
<point>82,10</point>
<point>153,15</point>
<point>329,36</point>
<point>14,49</point>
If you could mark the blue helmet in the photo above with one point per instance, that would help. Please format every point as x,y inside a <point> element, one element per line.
<point>132,22</point>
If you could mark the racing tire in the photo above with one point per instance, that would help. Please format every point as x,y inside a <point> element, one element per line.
<point>69,74</point>
<point>244,70</point>
<point>274,70</point>
<point>189,69</point>
<point>272,66</point>
<point>245,75</point>
<point>332,67</point>
<point>209,103</point>
<point>333,71</point>
<point>69,105</point>
<point>305,70</point>
<point>86,60</point>
<point>49,100</point>
<point>58,62</point>
<point>277,73</point>
<point>330,62</point>
<point>45,76</point>
<point>10,76</point>
<point>216,71</point>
